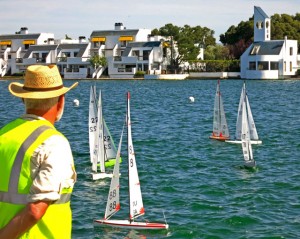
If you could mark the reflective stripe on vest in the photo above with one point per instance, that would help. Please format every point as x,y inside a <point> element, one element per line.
<point>12,196</point>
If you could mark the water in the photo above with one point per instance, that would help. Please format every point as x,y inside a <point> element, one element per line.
<point>198,183</point>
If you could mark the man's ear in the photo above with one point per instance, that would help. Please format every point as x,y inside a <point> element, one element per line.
<point>60,105</point>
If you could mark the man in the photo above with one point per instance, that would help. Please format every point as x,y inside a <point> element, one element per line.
<point>37,172</point>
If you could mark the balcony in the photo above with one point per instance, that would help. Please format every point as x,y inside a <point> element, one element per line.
<point>19,60</point>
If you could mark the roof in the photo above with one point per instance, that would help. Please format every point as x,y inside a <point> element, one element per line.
<point>39,48</point>
<point>81,46</point>
<point>261,12</point>
<point>20,36</point>
<point>144,44</point>
<point>131,45</point>
<point>114,32</point>
<point>268,47</point>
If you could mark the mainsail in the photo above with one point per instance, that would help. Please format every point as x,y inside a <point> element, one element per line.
<point>135,194</point>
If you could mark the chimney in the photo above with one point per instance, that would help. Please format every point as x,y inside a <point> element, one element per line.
<point>119,26</point>
<point>50,41</point>
<point>24,30</point>
<point>82,39</point>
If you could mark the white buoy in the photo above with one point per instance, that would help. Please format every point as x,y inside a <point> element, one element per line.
<point>192,99</point>
<point>76,102</point>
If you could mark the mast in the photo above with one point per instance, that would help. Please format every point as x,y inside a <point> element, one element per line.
<point>101,152</point>
<point>219,99</point>
<point>128,121</point>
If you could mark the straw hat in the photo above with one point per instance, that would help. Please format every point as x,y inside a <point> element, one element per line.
<point>41,82</point>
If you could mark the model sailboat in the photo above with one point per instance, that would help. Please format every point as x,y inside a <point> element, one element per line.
<point>245,135</point>
<point>102,148</point>
<point>252,128</point>
<point>136,207</point>
<point>220,128</point>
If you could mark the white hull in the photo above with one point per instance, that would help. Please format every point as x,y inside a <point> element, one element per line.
<point>239,141</point>
<point>166,77</point>
<point>97,176</point>
<point>132,225</point>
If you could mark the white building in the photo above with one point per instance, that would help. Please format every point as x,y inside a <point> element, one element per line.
<point>14,46</point>
<point>265,58</point>
<point>127,51</point>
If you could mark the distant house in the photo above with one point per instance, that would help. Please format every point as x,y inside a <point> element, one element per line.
<point>14,46</point>
<point>72,59</point>
<point>127,51</point>
<point>266,58</point>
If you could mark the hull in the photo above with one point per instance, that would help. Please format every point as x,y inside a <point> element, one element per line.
<point>250,164</point>
<point>218,138</point>
<point>110,163</point>
<point>132,225</point>
<point>239,141</point>
<point>97,176</point>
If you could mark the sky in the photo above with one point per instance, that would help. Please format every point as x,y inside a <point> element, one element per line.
<point>80,17</point>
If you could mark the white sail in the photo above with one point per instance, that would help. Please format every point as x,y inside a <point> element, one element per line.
<point>252,128</point>
<point>99,153</point>
<point>238,129</point>
<point>92,120</point>
<point>246,142</point>
<point>216,123</point>
<point>113,200</point>
<point>223,123</point>
<point>110,147</point>
<point>220,128</point>
<point>135,194</point>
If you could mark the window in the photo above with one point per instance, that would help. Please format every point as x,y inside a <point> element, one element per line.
<point>284,65</point>
<point>66,54</point>
<point>146,55</point>
<point>263,65</point>
<point>75,54</point>
<point>259,25</point>
<point>254,50</point>
<point>291,66</point>
<point>291,51</point>
<point>135,53</point>
<point>44,55</point>
<point>274,65</point>
<point>35,55</point>
<point>252,65</point>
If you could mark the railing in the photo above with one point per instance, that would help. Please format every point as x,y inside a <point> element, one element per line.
<point>117,58</point>
<point>41,60</point>
<point>61,59</point>
<point>19,60</point>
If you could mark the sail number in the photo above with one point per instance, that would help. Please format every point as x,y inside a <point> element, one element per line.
<point>94,121</point>
<point>112,194</point>
<point>112,205</point>
<point>131,163</point>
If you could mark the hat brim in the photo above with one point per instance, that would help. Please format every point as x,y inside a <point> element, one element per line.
<point>17,90</point>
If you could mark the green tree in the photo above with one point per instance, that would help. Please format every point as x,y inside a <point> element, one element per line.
<point>189,40</point>
<point>97,61</point>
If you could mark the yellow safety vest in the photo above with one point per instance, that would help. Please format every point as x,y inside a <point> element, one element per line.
<point>15,179</point>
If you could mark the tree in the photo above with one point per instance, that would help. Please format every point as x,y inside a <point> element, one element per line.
<point>238,38</point>
<point>189,40</point>
<point>97,61</point>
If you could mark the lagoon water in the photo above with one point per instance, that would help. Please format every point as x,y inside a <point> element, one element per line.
<point>198,183</point>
